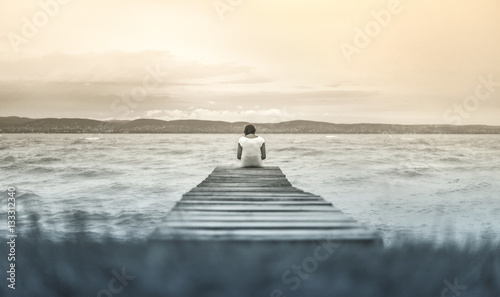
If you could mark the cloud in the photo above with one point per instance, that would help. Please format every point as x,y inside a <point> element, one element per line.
<point>153,113</point>
<point>249,80</point>
<point>114,67</point>
<point>265,116</point>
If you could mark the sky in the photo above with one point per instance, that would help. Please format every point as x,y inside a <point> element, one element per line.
<point>369,61</point>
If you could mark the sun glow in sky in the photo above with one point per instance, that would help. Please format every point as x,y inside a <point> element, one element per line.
<point>380,61</point>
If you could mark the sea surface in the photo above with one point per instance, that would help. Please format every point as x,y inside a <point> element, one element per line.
<point>410,187</point>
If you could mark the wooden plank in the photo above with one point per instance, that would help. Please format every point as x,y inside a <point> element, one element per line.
<point>246,189</point>
<point>229,219</point>
<point>260,225</point>
<point>236,198</point>
<point>249,194</point>
<point>257,204</point>
<point>251,181</point>
<point>255,208</point>
<point>225,202</point>
<point>251,197</point>
<point>256,179</point>
<point>262,215</point>
<point>268,235</point>
<point>217,168</point>
<point>259,217</point>
<point>248,171</point>
<point>247,176</point>
<point>244,185</point>
<point>276,175</point>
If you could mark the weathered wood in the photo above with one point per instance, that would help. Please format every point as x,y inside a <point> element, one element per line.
<point>262,170</point>
<point>251,203</point>
<point>248,194</point>
<point>256,199</point>
<point>248,175</point>
<point>245,184</point>
<point>246,189</point>
<point>261,225</point>
<point>229,219</point>
<point>269,214</point>
<point>255,208</point>
<point>257,204</point>
<point>246,168</point>
<point>354,234</point>
<point>234,179</point>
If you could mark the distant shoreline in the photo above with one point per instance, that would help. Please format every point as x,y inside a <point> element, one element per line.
<point>232,133</point>
<point>18,125</point>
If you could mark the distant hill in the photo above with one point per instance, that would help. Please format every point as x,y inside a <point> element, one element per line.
<point>76,125</point>
<point>13,120</point>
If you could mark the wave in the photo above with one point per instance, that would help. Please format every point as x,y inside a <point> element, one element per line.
<point>67,150</point>
<point>91,173</point>
<point>412,173</point>
<point>465,188</point>
<point>178,152</point>
<point>44,160</point>
<point>86,172</point>
<point>406,172</point>
<point>40,169</point>
<point>29,196</point>
<point>78,141</point>
<point>292,149</point>
<point>12,166</point>
<point>4,147</point>
<point>451,160</point>
<point>82,140</point>
<point>118,186</point>
<point>11,159</point>
<point>126,218</point>
<point>23,196</point>
<point>173,165</point>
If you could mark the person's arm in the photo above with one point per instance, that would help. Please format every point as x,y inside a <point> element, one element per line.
<point>240,150</point>
<point>263,151</point>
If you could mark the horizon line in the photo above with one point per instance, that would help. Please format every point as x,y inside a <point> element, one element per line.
<point>297,120</point>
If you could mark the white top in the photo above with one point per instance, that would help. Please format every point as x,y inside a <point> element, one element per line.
<point>251,155</point>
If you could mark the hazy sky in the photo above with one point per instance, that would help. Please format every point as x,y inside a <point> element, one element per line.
<point>408,62</point>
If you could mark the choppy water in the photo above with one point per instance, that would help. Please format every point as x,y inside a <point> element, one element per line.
<point>416,186</point>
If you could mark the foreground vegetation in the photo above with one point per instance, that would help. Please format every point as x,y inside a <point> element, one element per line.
<point>81,266</point>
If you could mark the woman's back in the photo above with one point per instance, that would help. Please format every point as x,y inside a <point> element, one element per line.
<point>251,150</point>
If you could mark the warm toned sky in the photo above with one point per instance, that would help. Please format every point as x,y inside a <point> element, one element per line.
<point>425,61</point>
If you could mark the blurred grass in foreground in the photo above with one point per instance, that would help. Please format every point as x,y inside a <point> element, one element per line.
<point>82,266</point>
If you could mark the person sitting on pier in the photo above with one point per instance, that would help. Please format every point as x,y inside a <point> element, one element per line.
<point>251,148</point>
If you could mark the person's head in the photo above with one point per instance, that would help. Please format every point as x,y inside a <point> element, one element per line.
<point>250,129</point>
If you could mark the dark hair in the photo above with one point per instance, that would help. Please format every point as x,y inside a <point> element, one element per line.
<point>250,129</point>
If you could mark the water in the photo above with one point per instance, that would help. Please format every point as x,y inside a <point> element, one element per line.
<point>418,187</point>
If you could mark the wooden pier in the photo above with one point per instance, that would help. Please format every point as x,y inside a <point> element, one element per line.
<point>257,204</point>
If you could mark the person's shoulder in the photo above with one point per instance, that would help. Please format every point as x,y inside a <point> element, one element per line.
<point>241,139</point>
<point>261,138</point>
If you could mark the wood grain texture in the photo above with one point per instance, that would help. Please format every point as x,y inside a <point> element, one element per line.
<point>257,204</point>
